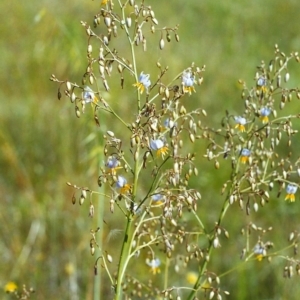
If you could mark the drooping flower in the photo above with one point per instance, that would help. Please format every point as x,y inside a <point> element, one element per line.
<point>159,147</point>
<point>240,123</point>
<point>10,287</point>
<point>259,251</point>
<point>113,164</point>
<point>245,154</point>
<point>88,96</point>
<point>188,81</point>
<point>261,84</point>
<point>264,113</point>
<point>143,83</point>
<point>158,198</point>
<point>122,184</point>
<point>291,190</point>
<point>154,265</point>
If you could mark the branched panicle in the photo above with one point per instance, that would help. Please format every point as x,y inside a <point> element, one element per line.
<point>148,166</point>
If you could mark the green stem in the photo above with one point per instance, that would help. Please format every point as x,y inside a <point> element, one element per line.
<point>203,267</point>
<point>99,216</point>
<point>123,257</point>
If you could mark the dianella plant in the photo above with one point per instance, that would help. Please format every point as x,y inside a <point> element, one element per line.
<point>148,161</point>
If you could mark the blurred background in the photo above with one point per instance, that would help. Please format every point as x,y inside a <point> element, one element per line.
<point>44,238</point>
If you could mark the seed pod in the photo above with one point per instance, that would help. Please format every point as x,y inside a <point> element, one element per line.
<point>255,207</point>
<point>195,171</point>
<point>177,37</point>
<point>77,111</point>
<point>286,77</point>
<point>88,31</point>
<point>168,36</point>
<point>91,79</point>
<point>109,258</point>
<point>154,20</point>
<point>216,243</point>
<point>192,138</point>
<point>107,21</point>
<point>136,156</point>
<point>291,237</point>
<point>182,110</point>
<point>110,133</point>
<point>167,93</point>
<point>81,200</point>
<point>278,80</point>
<point>111,206</point>
<point>128,22</point>
<point>91,211</point>
<point>217,165</point>
<point>69,85</point>
<point>161,44</point>
<point>92,250</point>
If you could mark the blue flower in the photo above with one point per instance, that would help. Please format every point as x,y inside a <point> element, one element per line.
<point>241,122</point>
<point>188,81</point>
<point>113,164</point>
<point>158,198</point>
<point>291,190</point>
<point>260,251</point>
<point>122,184</point>
<point>143,82</point>
<point>245,153</point>
<point>264,113</point>
<point>158,146</point>
<point>261,84</point>
<point>88,95</point>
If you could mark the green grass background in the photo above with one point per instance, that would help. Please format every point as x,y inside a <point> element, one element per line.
<point>43,145</point>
